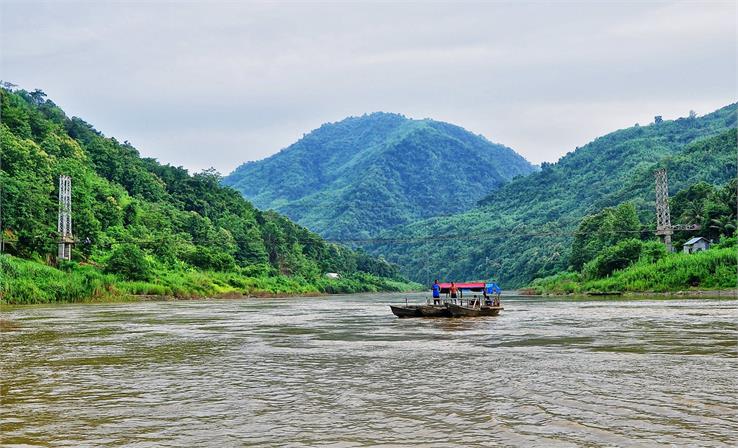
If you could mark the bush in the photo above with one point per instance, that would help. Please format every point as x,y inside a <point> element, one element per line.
<point>209,258</point>
<point>726,243</point>
<point>616,257</point>
<point>130,262</point>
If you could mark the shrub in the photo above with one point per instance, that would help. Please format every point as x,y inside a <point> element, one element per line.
<point>130,262</point>
<point>619,256</point>
<point>209,258</point>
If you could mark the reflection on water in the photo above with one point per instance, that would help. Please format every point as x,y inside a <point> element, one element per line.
<point>343,371</point>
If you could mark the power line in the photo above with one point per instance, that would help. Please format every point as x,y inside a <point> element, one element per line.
<point>477,237</point>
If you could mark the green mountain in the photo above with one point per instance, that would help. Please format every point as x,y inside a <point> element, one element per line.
<point>524,229</point>
<point>136,220</point>
<point>357,177</point>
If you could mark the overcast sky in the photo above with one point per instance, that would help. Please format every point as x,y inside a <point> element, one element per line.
<point>203,84</point>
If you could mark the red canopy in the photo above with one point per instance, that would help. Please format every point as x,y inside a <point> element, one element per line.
<point>479,286</point>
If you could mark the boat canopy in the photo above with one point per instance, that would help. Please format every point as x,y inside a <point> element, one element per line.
<point>491,288</point>
<point>470,286</point>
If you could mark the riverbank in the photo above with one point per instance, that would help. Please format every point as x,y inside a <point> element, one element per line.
<point>702,273</point>
<point>32,282</point>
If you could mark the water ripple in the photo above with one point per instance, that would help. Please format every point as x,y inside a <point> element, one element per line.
<point>343,372</point>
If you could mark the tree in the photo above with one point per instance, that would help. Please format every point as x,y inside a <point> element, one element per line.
<point>601,230</point>
<point>38,96</point>
<point>617,257</point>
<point>130,262</point>
<point>725,225</point>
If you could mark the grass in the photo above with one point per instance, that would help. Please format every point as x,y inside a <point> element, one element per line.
<point>712,269</point>
<point>30,282</point>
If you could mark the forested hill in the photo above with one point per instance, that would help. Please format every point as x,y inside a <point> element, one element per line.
<point>357,177</point>
<point>523,230</point>
<point>139,220</point>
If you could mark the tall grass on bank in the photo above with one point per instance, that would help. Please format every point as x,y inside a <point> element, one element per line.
<point>25,281</point>
<point>711,269</point>
<point>28,282</point>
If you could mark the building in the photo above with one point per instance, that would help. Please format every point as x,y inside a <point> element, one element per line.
<point>696,244</point>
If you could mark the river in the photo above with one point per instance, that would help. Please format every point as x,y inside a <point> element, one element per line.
<point>342,371</point>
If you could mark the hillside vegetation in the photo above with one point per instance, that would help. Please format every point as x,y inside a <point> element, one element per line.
<point>525,229</point>
<point>711,269</point>
<point>611,252</point>
<point>357,177</point>
<point>136,220</point>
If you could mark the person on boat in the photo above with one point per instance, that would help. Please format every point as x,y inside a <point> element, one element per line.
<point>487,300</point>
<point>436,293</point>
<point>454,291</point>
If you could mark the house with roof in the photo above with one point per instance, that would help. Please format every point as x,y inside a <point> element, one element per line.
<point>696,244</point>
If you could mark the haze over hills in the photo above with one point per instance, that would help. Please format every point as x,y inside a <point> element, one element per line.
<point>363,175</point>
<point>524,229</point>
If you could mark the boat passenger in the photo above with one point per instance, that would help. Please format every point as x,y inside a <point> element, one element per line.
<point>436,293</point>
<point>453,290</point>
<point>487,300</point>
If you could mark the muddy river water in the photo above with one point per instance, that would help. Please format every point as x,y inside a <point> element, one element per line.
<point>342,371</point>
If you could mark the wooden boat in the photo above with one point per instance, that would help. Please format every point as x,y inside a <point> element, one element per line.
<point>472,311</point>
<point>403,311</point>
<point>434,311</point>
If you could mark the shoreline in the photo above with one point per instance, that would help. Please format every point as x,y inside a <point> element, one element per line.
<point>232,295</point>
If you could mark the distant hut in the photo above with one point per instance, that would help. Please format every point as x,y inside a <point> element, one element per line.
<point>696,244</point>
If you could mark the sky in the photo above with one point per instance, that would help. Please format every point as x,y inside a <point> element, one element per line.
<point>214,84</point>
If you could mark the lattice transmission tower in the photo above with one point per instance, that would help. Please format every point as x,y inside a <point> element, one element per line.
<point>663,216</point>
<point>64,224</point>
<point>664,227</point>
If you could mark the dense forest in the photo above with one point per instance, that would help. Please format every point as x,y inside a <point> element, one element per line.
<point>357,177</point>
<point>525,229</point>
<point>144,227</point>
<point>611,250</point>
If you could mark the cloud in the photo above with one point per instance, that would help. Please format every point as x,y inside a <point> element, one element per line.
<point>215,84</point>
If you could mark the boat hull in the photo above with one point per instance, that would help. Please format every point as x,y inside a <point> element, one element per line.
<point>405,311</point>
<point>468,311</point>
<point>434,311</point>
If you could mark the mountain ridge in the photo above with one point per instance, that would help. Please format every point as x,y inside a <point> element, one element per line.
<point>524,223</point>
<point>382,169</point>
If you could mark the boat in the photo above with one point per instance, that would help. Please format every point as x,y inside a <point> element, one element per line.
<point>404,311</point>
<point>472,311</point>
<point>457,307</point>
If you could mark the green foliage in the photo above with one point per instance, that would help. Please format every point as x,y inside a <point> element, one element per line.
<point>360,176</point>
<point>712,269</point>
<point>712,207</point>
<point>130,262</point>
<point>26,282</point>
<point>619,256</point>
<point>726,243</point>
<point>523,229</point>
<point>602,255</point>
<point>602,230</point>
<point>137,217</point>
